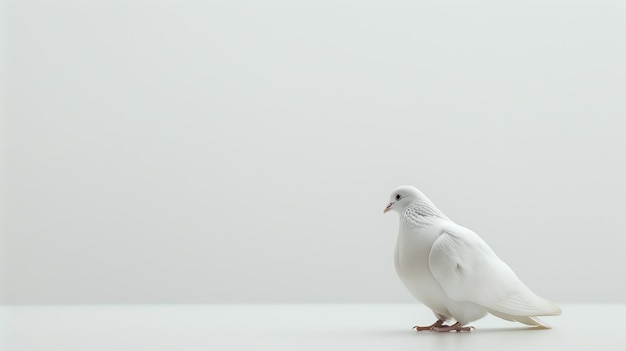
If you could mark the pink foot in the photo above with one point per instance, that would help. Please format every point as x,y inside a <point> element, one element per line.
<point>457,327</point>
<point>437,324</point>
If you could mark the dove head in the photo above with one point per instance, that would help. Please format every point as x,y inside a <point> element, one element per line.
<point>402,197</point>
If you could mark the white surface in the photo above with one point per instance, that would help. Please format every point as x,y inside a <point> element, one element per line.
<point>292,327</point>
<point>197,151</point>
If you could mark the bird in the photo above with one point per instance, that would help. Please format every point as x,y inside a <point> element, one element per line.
<point>452,270</point>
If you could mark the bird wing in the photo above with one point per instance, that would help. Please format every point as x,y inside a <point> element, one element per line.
<point>468,270</point>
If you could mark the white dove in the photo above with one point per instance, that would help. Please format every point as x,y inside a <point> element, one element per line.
<point>452,271</point>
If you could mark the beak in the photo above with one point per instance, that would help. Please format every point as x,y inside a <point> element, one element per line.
<point>388,207</point>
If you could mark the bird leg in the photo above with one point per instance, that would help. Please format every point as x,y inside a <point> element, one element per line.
<point>457,327</point>
<point>437,324</point>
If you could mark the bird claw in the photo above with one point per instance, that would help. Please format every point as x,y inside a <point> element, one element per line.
<point>455,327</point>
<point>426,328</point>
<point>437,324</point>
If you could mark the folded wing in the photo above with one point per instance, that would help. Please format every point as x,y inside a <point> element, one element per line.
<point>468,270</point>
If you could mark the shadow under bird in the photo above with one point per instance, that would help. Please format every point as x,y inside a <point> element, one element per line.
<point>452,271</point>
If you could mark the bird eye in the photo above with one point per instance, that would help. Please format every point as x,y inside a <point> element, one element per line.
<point>398,197</point>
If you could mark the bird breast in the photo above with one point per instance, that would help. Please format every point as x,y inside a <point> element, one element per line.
<point>411,261</point>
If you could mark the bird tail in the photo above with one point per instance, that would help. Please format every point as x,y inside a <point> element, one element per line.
<point>528,320</point>
<point>523,306</point>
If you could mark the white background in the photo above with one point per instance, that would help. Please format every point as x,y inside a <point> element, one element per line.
<point>239,151</point>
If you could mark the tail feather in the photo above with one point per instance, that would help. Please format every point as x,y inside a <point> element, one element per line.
<point>525,303</point>
<point>528,320</point>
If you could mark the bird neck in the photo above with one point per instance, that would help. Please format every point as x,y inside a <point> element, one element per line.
<point>421,213</point>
